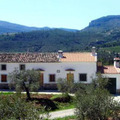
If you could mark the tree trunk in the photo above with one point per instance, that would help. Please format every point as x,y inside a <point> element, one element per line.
<point>27,92</point>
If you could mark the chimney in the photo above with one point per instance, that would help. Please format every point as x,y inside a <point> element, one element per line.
<point>94,51</point>
<point>116,62</point>
<point>60,53</point>
<point>99,64</point>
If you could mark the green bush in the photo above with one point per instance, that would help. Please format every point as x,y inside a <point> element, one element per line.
<point>93,101</point>
<point>64,86</point>
<point>13,107</point>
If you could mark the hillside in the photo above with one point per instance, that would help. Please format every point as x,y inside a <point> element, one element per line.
<point>104,24</point>
<point>104,33</point>
<point>47,41</point>
<point>7,27</point>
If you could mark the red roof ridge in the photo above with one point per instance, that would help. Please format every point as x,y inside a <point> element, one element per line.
<point>78,52</point>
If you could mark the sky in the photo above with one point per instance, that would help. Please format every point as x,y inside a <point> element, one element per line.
<point>74,14</point>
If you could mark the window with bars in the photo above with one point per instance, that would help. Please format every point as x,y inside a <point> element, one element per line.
<point>83,77</point>
<point>3,67</point>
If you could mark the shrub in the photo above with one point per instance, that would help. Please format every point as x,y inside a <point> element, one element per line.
<point>64,86</point>
<point>14,108</point>
<point>93,101</point>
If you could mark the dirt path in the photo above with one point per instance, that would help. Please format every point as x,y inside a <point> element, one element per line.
<point>62,113</point>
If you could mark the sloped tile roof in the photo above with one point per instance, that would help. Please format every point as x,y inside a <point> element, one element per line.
<point>116,58</point>
<point>78,57</point>
<point>28,57</point>
<point>108,70</point>
<point>45,57</point>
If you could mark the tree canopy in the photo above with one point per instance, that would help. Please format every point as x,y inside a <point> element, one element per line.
<point>25,80</point>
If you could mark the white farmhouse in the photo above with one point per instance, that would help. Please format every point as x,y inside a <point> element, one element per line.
<point>52,66</point>
<point>80,66</point>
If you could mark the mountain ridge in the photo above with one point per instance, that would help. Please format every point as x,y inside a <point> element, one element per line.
<point>104,24</point>
<point>103,32</point>
<point>8,27</point>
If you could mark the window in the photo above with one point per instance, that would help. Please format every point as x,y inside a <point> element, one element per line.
<point>3,67</point>
<point>52,77</point>
<point>3,78</point>
<point>22,67</point>
<point>83,77</point>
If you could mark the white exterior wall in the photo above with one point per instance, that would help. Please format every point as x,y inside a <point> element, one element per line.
<point>117,76</point>
<point>51,68</point>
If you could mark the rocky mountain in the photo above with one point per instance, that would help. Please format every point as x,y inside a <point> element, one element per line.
<point>104,24</point>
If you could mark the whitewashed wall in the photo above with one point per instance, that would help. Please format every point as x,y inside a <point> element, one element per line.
<point>117,76</point>
<point>51,68</point>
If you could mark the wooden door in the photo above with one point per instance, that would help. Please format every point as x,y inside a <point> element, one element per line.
<point>70,77</point>
<point>41,79</point>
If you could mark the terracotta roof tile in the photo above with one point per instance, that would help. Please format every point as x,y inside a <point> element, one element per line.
<point>116,58</point>
<point>78,57</point>
<point>108,70</point>
<point>45,57</point>
<point>28,57</point>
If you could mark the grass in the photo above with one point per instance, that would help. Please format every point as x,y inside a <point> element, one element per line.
<point>55,96</point>
<point>60,105</point>
<point>63,105</point>
<point>6,93</point>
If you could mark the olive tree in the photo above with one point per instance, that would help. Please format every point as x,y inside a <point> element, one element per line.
<point>27,80</point>
<point>64,85</point>
<point>13,107</point>
<point>94,102</point>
